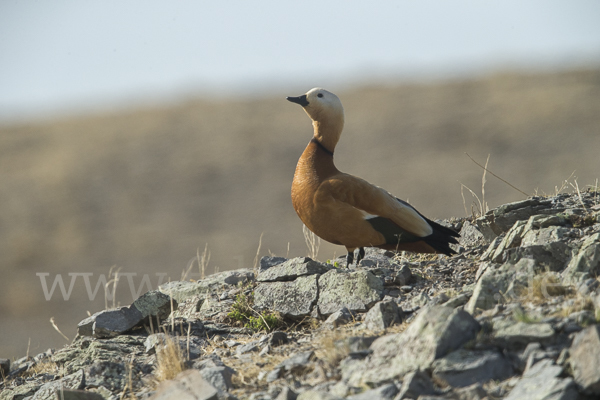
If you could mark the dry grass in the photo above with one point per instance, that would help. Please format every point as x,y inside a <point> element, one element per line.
<point>43,367</point>
<point>581,303</point>
<point>313,242</point>
<point>170,360</point>
<point>542,287</point>
<point>331,347</point>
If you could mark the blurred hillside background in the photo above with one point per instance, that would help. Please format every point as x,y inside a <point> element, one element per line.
<point>135,134</point>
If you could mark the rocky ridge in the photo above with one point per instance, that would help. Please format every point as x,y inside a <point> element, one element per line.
<point>514,315</point>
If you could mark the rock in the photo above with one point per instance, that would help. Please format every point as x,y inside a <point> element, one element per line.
<point>219,377</point>
<point>586,264</point>
<point>382,315</point>
<point>48,390</point>
<point>268,262</point>
<point>153,341</point>
<point>275,339</point>
<point>357,291</point>
<point>415,384</point>
<point>293,299</point>
<point>463,368</point>
<point>459,300</point>
<point>260,396</point>
<point>585,359</point>
<point>495,251</point>
<point>275,374</point>
<point>212,283</point>
<point>110,323</point>
<point>338,318</point>
<point>420,300</point>
<point>471,236</point>
<point>435,332</point>
<point>247,348</point>
<point>316,395</point>
<point>67,394</point>
<point>287,394</point>
<point>519,334</point>
<point>497,284</point>
<point>542,382</point>
<point>473,392</point>
<point>4,367</point>
<point>298,361</point>
<point>546,246</point>
<point>499,220</point>
<point>155,304</point>
<point>292,269</point>
<point>356,344</point>
<point>212,306</point>
<point>187,385</point>
<point>385,392</point>
<point>401,276</point>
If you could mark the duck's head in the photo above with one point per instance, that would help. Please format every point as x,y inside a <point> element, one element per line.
<point>327,113</point>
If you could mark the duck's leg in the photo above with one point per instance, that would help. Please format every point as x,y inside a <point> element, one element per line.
<point>361,255</point>
<point>349,258</point>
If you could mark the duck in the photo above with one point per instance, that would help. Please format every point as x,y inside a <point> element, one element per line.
<point>346,210</point>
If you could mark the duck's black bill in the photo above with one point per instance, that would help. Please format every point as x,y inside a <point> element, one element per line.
<point>299,100</point>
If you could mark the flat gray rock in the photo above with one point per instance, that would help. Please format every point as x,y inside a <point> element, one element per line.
<point>357,291</point>
<point>383,315</point>
<point>111,323</point>
<point>298,361</point>
<point>338,318</point>
<point>585,359</point>
<point>385,392</point>
<point>463,368</point>
<point>435,332</point>
<point>287,394</point>
<point>293,299</point>
<point>519,334</point>
<point>586,264</point>
<point>415,384</point>
<point>219,377</point>
<point>212,283</point>
<point>68,394</point>
<point>267,262</point>
<point>471,236</point>
<point>542,382</point>
<point>292,269</point>
<point>188,384</point>
<point>317,395</point>
<point>48,390</point>
<point>496,282</point>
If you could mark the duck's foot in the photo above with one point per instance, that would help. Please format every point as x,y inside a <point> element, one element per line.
<point>350,257</point>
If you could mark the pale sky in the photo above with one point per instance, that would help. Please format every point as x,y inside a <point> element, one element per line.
<point>61,55</point>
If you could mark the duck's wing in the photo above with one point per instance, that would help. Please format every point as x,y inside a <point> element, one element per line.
<point>402,226</point>
<point>376,205</point>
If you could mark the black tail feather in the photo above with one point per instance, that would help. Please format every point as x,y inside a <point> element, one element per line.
<point>442,236</point>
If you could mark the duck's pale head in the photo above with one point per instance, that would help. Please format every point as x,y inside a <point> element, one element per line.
<point>327,113</point>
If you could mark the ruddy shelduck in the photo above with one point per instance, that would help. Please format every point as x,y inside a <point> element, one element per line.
<point>349,211</point>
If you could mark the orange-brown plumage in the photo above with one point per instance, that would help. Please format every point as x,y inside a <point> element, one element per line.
<point>346,210</point>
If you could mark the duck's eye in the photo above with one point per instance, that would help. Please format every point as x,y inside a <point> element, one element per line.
<point>320,95</point>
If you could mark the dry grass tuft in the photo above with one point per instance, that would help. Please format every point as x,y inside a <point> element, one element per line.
<point>170,360</point>
<point>248,372</point>
<point>581,303</point>
<point>43,367</point>
<point>543,286</point>
<point>331,347</point>
<point>313,242</point>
